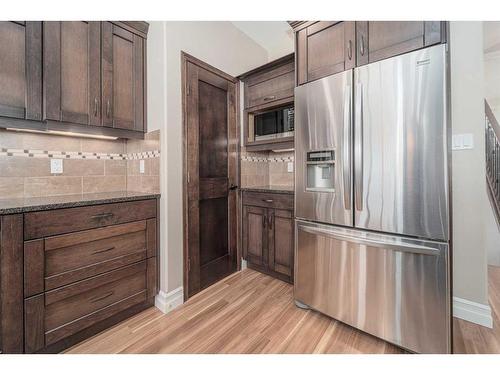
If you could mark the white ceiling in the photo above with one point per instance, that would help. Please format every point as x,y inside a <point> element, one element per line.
<point>276,37</point>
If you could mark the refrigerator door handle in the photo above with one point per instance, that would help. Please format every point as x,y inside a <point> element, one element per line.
<point>358,148</point>
<point>384,244</point>
<point>346,148</point>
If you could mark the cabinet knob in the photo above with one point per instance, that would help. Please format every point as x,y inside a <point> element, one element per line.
<point>95,106</point>
<point>268,200</point>
<point>270,97</point>
<point>108,108</point>
<point>362,46</point>
<point>349,50</point>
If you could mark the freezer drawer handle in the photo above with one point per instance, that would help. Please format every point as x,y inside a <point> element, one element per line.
<point>395,246</point>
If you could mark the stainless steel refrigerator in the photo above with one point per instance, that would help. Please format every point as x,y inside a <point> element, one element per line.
<point>372,199</point>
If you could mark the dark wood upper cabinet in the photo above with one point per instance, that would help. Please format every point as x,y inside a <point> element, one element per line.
<point>123,89</point>
<point>93,80</point>
<point>328,47</point>
<point>324,48</point>
<point>378,40</point>
<point>21,70</point>
<point>72,88</point>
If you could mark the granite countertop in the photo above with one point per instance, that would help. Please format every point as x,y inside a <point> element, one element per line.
<point>270,189</point>
<point>14,206</point>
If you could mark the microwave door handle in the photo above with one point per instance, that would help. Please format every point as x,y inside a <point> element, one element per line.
<point>358,148</point>
<point>346,148</point>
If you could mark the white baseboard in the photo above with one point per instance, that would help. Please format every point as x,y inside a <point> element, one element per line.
<point>166,302</point>
<point>472,312</point>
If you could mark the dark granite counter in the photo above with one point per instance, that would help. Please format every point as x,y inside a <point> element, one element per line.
<point>270,189</point>
<point>14,206</point>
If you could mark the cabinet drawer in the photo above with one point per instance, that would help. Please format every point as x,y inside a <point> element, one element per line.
<point>271,86</point>
<point>73,257</point>
<point>66,220</point>
<point>271,200</point>
<point>65,311</point>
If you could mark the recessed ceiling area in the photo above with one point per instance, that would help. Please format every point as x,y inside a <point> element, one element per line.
<point>276,37</point>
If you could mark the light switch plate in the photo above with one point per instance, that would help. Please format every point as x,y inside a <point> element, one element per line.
<point>141,166</point>
<point>56,166</point>
<point>462,142</point>
<point>289,167</point>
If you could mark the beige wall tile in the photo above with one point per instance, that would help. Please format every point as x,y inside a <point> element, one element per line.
<point>9,139</point>
<point>133,146</point>
<point>50,142</point>
<point>47,186</point>
<point>83,167</point>
<point>98,184</point>
<point>134,183</point>
<point>11,187</point>
<point>154,166</point>
<point>11,166</point>
<point>115,167</point>
<point>103,146</point>
<point>133,167</point>
<point>150,184</point>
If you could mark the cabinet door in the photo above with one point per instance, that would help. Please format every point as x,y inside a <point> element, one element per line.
<point>123,83</point>
<point>281,241</point>
<point>255,234</point>
<point>72,72</point>
<point>21,70</point>
<point>377,40</point>
<point>325,48</point>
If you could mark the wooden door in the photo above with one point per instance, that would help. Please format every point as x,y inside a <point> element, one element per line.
<point>377,40</point>
<point>281,242</point>
<point>123,84</point>
<point>21,70</point>
<point>211,175</point>
<point>325,48</point>
<point>255,235</point>
<point>72,85</point>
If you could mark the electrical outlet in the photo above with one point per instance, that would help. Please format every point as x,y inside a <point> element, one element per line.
<point>141,166</point>
<point>289,167</point>
<point>56,166</point>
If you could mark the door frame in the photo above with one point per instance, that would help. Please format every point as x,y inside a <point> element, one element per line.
<point>185,60</point>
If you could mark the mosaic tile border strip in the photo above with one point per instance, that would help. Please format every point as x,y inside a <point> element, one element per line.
<point>11,152</point>
<point>263,159</point>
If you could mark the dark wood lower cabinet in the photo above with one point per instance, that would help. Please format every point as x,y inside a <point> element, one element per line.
<point>62,288</point>
<point>268,233</point>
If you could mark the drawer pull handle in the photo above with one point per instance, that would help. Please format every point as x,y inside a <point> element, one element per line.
<point>103,251</point>
<point>109,294</point>
<point>270,97</point>
<point>268,200</point>
<point>103,216</point>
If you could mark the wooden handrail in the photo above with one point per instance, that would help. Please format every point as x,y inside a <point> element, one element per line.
<point>492,119</point>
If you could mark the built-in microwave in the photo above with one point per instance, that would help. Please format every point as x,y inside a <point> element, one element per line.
<point>277,123</point>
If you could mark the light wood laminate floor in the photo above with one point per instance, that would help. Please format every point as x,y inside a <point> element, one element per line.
<point>249,312</point>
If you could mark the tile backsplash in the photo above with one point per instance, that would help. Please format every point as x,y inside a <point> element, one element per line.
<point>89,165</point>
<point>266,168</point>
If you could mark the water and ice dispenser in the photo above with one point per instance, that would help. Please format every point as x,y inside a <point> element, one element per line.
<point>320,169</point>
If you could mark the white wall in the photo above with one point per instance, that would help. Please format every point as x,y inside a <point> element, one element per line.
<point>225,47</point>
<point>468,166</point>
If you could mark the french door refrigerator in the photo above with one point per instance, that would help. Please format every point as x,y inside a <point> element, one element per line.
<point>371,199</point>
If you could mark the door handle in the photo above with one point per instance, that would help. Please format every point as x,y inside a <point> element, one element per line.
<point>362,45</point>
<point>270,97</point>
<point>233,187</point>
<point>95,106</point>
<point>97,299</point>
<point>349,50</point>
<point>268,200</point>
<point>103,251</point>
<point>390,245</point>
<point>103,216</point>
<point>271,221</point>
<point>108,108</point>
<point>264,221</point>
<point>346,148</point>
<point>358,149</point>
